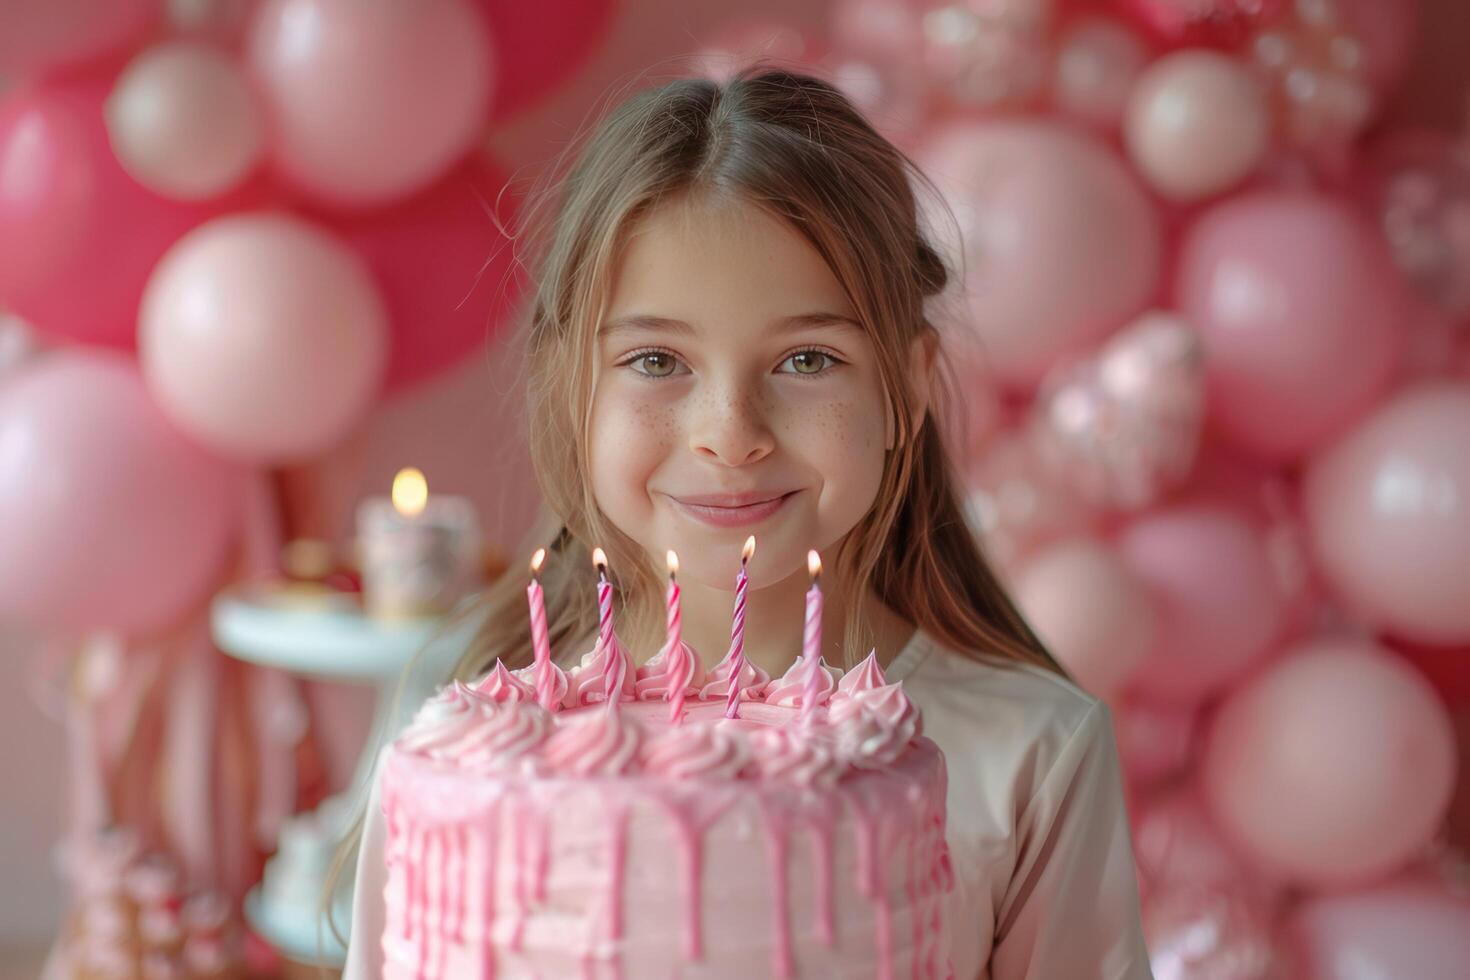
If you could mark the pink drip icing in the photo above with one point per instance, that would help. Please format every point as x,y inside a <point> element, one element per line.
<point>822,860</point>
<point>520,825</point>
<point>461,844</point>
<point>911,891</point>
<point>487,936</point>
<point>442,903</point>
<point>781,963</point>
<point>617,866</point>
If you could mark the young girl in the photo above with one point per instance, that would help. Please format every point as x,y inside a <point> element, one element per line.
<point>728,336</point>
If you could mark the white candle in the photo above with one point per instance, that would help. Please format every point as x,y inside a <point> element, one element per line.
<point>420,554</point>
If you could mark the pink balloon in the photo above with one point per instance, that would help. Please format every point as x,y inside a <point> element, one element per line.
<point>1219,602</point>
<point>184,122</point>
<point>41,34</point>
<point>1334,766</point>
<point>264,337</point>
<point>1062,245</point>
<point>540,45</point>
<point>1411,928</point>
<point>1090,610</point>
<point>1388,507</point>
<point>370,101</point>
<point>1096,64</point>
<point>1176,842</point>
<point>1199,932</point>
<point>78,236</point>
<point>1301,313</point>
<point>1197,123</point>
<point>111,518</point>
<point>1155,740</point>
<point>445,270</point>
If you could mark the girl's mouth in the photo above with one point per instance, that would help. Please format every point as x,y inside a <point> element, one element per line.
<point>734,516</point>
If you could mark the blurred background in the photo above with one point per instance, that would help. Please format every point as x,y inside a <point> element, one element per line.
<point>260,429</point>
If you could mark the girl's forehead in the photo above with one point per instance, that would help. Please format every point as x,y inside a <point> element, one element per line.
<point>695,257</point>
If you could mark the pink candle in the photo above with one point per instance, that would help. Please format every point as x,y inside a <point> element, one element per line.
<point>679,666</point>
<point>737,632</point>
<point>613,664</point>
<point>540,643</point>
<point>811,647</point>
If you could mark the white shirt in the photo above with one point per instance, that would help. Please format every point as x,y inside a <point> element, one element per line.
<point>1045,887</point>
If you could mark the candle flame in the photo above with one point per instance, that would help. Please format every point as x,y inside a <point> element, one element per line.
<point>599,558</point>
<point>410,491</point>
<point>748,552</point>
<point>673,562</point>
<point>536,560</point>
<point>814,564</point>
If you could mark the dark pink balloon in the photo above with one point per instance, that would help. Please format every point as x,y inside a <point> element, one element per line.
<point>1155,740</point>
<point>78,236</point>
<point>539,45</point>
<point>36,35</point>
<point>444,268</point>
<point>111,518</point>
<point>1302,313</point>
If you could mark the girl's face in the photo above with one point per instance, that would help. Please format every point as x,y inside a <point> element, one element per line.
<point>736,394</point>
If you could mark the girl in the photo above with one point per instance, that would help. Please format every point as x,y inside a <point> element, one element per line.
<point>728,336</point>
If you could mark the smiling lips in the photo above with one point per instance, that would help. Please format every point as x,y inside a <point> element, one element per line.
<point>732,509</point>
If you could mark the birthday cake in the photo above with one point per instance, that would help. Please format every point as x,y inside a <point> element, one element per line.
<point>536,828</point>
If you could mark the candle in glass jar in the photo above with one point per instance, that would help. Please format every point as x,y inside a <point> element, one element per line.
<point>419,553</point>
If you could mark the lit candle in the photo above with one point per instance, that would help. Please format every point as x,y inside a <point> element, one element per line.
<point>737,631</point>
<point>419,554</point>
<point>540,642</point>
<point>613,669</point>
<point>679,666</point>
<point>811,647</point>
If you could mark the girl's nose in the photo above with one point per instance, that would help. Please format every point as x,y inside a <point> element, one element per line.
<point>731,428</point>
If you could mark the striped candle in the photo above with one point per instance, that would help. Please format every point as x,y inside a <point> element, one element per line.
<point>613,668</point>
<point>737,632</point>
<point>678,665</point>
<point>540,643</point>
<point>811,645</point>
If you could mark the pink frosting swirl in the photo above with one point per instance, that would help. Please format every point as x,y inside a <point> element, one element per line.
<point>504,739</point>
<point>790,689</point>
<point>655,677</point>
<point>442,718</point>
<point>702,751</point>
<point>587,681</point>
<point>866,676</point>
<point>599,743</point>
<point>501,685</point>
<point>559,681</point>
<point>795,754</point>
<point>717,686</point>
<point>875,727</point>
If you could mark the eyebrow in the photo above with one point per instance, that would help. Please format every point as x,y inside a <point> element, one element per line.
<point>648,321</point>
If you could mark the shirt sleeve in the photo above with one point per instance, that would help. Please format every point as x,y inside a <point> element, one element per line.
<point>365,942</point>
<point>1071,909</point>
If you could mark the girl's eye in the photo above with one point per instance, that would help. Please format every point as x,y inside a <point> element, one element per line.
<point>809,362</point>
<point>656,364</point>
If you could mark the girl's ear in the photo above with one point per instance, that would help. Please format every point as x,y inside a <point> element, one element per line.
<point>921,373</point>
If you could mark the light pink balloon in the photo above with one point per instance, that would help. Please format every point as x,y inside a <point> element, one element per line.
<point>1220,605</point>
<point>36,35</point>
<point>1060,244</point>
<point>1198,122</point>
<point>264,337</point>
<point>111,518</point>
<point>1388,507</point>
<point>1333,767</point>
<point>1090,610</point>
<point>1197,932</point>
<point>1301,312</point>
<point>1154,740</point>
<point>1176,842</point>
<point>183,121</point>
<point>1097,62</point>
<point>1403,929</point>
<point>370,101</point>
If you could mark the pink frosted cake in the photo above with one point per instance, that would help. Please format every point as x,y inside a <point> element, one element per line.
<point>598,840</point>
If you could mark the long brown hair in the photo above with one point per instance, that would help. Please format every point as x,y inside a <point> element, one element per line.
<point>793,144</point>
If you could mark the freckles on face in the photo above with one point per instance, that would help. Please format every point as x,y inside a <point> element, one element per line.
<point>719,378</point>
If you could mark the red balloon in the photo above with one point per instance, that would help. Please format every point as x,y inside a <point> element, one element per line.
<point>443,266</point>
<point>37,35</point>
<point>539,45</point>
<point>78,236</point>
